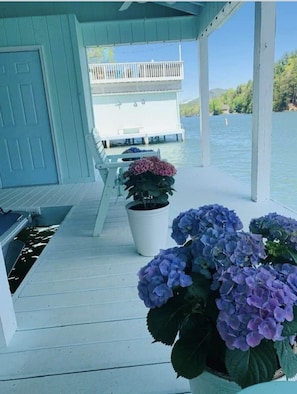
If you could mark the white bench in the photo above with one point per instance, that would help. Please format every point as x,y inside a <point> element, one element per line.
<point>109,167</point>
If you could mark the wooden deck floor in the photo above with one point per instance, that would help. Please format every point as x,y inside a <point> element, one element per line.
<point>81,326</point>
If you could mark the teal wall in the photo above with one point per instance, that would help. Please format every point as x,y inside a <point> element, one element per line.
<point>66,75</point>
<point>140,31</point>
<point>154,29</point>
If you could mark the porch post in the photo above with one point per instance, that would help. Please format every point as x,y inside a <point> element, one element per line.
<point>264,41</point>
<point>8,322</point>
<point>204,101</point>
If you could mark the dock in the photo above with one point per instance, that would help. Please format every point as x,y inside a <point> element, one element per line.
<point>142,136</point>
<point>81,326</point>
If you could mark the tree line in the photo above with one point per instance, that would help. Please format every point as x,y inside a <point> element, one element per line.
<point>240,100</point>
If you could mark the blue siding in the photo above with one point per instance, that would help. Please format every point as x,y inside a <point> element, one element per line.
<point>83,87</point>
<point>173,28</point>
<point>146,30</point>
<point>62,56</point>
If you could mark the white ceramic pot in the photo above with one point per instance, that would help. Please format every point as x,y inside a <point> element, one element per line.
<point>149,228</point>
<point>208,383</point>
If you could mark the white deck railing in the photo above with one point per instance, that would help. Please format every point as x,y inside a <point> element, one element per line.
<point>132,72</point>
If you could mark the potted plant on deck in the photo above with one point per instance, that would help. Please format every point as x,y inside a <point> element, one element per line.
<point>150,182</point>
<point>225,299</point>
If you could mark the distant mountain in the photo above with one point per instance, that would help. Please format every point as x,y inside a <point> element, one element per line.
<point>213,93</point>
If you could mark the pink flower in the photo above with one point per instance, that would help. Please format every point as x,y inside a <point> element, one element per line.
<point>149,181</point>
<point>153,165</point>
<point>164,169</point>
<point>140,166</point>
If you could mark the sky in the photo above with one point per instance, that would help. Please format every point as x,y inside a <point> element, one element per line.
<point>230,49</point>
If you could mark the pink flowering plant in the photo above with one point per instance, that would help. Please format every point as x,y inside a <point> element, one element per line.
<point>150,181</point>
<point>223,298</point>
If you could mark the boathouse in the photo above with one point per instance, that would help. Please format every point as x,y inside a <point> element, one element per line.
<point>126,96</point>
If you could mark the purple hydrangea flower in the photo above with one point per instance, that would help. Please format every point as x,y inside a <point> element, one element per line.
<point>194,222</point>
<point>252,273</point>
<point>161,275</point>
<point>218,249</point>
<point>262,296</point>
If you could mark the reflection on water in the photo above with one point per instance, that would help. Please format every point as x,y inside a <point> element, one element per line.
<point>35,240</point>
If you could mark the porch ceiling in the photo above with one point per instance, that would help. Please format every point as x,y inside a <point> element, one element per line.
<point>185,20</point>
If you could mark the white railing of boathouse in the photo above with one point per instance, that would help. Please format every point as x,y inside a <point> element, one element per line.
<point>132,72</point>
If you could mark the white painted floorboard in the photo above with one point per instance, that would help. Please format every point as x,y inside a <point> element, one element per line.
<point>133,380</point>
<point>81,325</point>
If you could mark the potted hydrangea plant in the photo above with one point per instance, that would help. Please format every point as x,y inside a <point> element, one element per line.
<point>225,299</point>
<point>149,181</point>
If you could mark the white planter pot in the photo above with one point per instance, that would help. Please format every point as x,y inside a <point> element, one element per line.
<point>149,229</point>
<point>208,383</point>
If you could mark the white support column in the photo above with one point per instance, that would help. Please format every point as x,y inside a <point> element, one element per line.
<point>264,42</point>
<point>204,101</point>
<point>8,322</point>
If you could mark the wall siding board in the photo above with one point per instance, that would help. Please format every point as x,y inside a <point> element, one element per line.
<point>113,32</point>
<point>147,30</point>
<point>150,31</point>
<point>174,31</point>
<point>125,32</point>
<point>138,33</point>
<point>189,31</point>
<point>63,81</point>
<point>162,30</point>
<point>71,110</point>
<point>89,32</point>
<point>26,31</point>
<point>3,37</point>
<point>12,32</point>
<point>101,33</point>
<point>41,30</point>
<point>56,78</point>
<point>53,34</point>
<point>76,91</point>
<point>84,95</point>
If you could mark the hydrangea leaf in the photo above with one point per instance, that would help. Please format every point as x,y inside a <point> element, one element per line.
<point>287,358</point>
<point>253,366</point>
<point>293,255</point>
<point>197,293</point>
<point>187,359</point>
<point>290,328</point>
<point>163,323</point>
<point>189,353</point>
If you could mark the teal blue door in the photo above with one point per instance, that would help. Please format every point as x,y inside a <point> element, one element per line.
<point>26,146</point>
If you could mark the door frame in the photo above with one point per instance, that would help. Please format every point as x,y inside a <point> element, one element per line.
<point>40,50</point>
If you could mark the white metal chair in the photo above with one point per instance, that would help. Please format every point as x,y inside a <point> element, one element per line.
<point>109,167</point>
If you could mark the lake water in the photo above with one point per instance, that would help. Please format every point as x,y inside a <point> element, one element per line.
<point>231,137</point>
